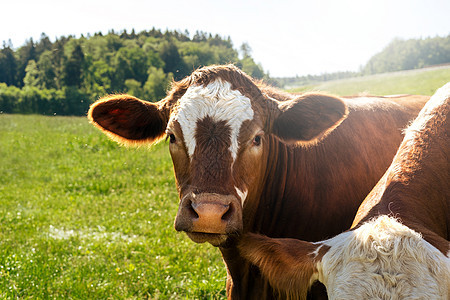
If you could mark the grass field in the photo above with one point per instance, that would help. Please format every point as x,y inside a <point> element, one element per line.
<point>419,82</point>
<point>82,218</point>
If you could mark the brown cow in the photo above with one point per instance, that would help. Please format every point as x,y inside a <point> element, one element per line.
<point>247,158</point>
<point>398,245</point>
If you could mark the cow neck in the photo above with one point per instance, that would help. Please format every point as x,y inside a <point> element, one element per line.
<point>280,208</point>
<point>246,280</point>
<point>260,207</point>
<point>283,205</point>
<point>270,197</point>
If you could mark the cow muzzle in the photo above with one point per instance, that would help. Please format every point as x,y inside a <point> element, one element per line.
<point>209,217</point>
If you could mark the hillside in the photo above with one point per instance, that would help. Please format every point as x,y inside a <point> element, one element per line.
<point>422,82</point>
<point>409,54</point>
<point>398,55</point>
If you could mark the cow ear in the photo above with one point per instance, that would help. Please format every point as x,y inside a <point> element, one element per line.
<point>128,120</point>
<point>308,118</point>
<point>288,264</point>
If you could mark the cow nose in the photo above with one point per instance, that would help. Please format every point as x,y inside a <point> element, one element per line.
<point>211,217</point>
<point>209,213</point>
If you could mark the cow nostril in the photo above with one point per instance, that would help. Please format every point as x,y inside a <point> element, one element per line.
<point>228,213</point>
<point>191,211</point>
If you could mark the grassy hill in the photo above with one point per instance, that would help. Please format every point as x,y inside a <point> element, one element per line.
<point>422,82</point>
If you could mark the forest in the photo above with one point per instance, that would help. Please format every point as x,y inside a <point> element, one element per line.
<point>65,76</point>
<point>409,54</point>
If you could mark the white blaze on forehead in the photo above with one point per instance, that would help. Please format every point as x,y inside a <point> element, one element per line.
<point>218,101</point>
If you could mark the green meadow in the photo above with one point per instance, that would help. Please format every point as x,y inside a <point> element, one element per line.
<point>84,218</point>
<point>418,82</point>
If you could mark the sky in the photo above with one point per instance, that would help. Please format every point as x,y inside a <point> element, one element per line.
<point>287,37</point>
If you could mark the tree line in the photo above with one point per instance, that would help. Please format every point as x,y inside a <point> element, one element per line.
<point>409,54</point>
<point>398,55</point>
<point>65,76</point>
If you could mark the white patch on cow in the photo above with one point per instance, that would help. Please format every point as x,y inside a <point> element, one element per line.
<point>218,101</point>
<point>242,195</point>
<point>384,259</point>
<point>427,113</point>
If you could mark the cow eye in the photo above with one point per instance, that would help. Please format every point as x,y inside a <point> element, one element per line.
<point>256,140</point>
<point>171,138</point>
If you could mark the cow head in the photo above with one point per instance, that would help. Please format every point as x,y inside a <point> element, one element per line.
<point>218,122</point>
<point>381,259</point>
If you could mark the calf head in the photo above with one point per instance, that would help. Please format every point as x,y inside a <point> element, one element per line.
<point>382,259</point>
<point>218,122</point>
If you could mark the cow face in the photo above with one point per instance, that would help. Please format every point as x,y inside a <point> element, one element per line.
<point>213,128</point>
<point>219,124</point>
